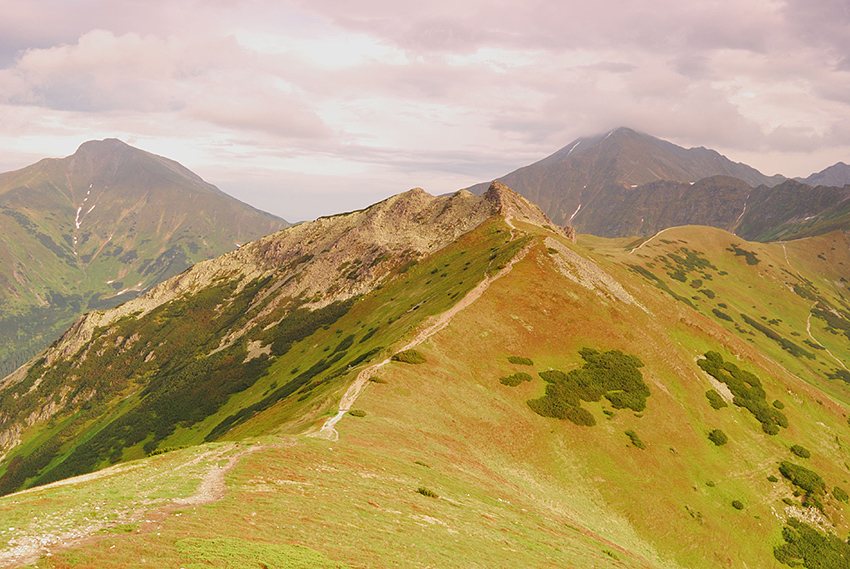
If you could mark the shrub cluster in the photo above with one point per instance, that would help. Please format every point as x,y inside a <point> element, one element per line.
<point>801,451</point>
<point>809,547</point>
<point>515,379</point>
<point>409,357</point>
<point>807,480</point>
<point>747,391</point>
<point>722,315</point>
<point>519,360</point>
<point>715,399</point>
<point>357,413</point>
<point>737,504</point>
<point>658,282</point>
<point>840,494</point>
<point>613,375</point>
<point>786,344</point>
<point>633,436</point>
<point>427,492</point>
<point>751,257</point>
<point>718,437</point>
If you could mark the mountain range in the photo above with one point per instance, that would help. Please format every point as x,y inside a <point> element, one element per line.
<point>98,227</point>
<point>455,381</point>
<point>628,183</point>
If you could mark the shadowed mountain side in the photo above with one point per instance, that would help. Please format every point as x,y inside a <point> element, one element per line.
<point>569,180</point>
<point>836,175</point>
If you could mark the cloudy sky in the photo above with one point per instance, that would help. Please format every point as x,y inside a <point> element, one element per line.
<point>315,107</point>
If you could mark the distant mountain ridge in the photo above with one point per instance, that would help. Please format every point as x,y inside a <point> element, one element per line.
<point>570,180</point>
<point>96,228</point>
<point>836,175</point>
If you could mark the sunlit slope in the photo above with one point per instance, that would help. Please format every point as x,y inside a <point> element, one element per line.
<point>206,351</point>
<point>445,463</point>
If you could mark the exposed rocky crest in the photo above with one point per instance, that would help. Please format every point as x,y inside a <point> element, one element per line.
<point>311,265</point>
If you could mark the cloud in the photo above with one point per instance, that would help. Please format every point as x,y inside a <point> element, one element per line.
<point>443,91</point>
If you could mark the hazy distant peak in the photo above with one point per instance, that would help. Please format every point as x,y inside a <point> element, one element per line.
<point>836,175</point>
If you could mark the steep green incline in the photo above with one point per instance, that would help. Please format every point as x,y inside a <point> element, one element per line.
<point>96,228</point>
<point>202,353</point>
<point>673,402</point>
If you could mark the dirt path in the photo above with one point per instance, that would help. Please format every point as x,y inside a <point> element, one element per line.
<point>809,331</point>
<point>809,319</point>
<point>434,325</point>
<point>29,548</point>
<point>648,240</point>
<point>212,486</point>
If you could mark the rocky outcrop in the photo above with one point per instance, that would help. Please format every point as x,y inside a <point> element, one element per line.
<point>332,258</point>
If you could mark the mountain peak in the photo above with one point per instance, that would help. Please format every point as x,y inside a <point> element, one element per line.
<point>836,175</point>
<point>510,204</point>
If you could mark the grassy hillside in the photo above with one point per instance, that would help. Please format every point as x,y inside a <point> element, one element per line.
<point>445,458</point>
<point>95,229</point>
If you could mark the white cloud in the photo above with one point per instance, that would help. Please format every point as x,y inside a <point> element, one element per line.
<point>448,92</point>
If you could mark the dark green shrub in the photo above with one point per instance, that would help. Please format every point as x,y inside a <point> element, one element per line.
<point>751,257</point>
<point>772,478</point>
<point>800,451</point>
<point>409,357</point>
<point>580,416</point>
<point>747,391</point>
<point>633,436</point>
<point>515,379</point>
<point>807,480</point>
<point>786,344</point>
<point>427,492</point>
<point>722,315</point>
<point>840,374</point>
<point>357,413</point>
<point>612,375</point>
<point>840,494</point>
<point>707,292</point>
<point>788,501</point>
<point>715,399</point>
<point>811,548</point>
<point>737,504</point>
<point>718,437</point>
<point>778,404</point>
<point>519,360</point>
<point>710,484</point>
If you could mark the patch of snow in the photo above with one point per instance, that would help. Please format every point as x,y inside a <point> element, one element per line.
<point>574,214</point>
<point>573,148</point>
<point>91,208</point>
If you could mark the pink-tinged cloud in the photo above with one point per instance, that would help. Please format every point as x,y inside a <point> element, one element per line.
<point>443,92</point>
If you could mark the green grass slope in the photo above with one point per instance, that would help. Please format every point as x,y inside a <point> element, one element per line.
<point>444,463</point>
<point>96,228</point>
